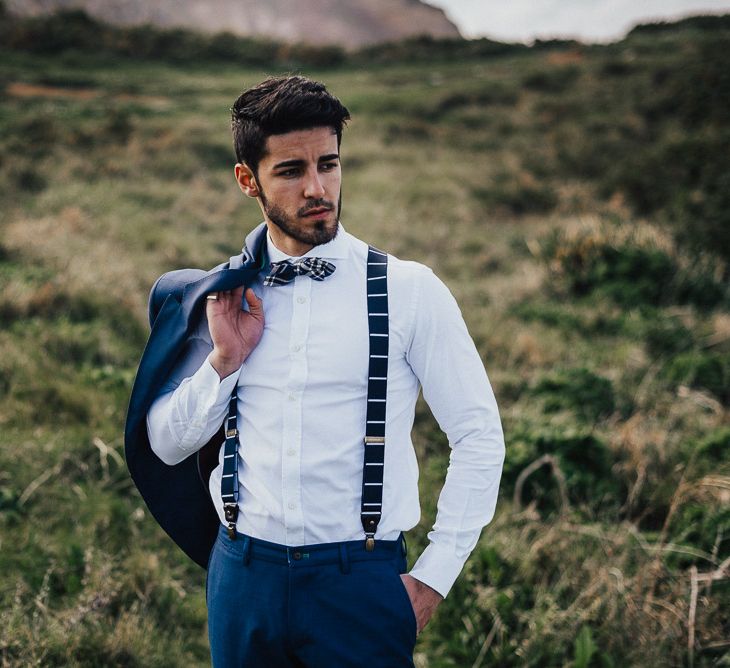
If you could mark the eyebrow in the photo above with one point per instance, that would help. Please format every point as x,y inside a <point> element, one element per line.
<point>299,163</point>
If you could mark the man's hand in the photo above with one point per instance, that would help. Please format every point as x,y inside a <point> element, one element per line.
<point>424,600</point>
<point>235,332</point>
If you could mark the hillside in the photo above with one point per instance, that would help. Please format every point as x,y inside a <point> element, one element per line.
<point>350,23</point>
<point>574,198</point>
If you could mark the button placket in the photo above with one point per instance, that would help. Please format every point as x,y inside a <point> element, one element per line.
<point>296,381</point>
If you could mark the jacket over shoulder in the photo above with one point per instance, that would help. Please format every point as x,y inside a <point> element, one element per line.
<point>176,495</point>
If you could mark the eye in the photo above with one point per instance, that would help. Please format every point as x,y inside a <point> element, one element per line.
<point>289,172</point>
<point>329,166</point>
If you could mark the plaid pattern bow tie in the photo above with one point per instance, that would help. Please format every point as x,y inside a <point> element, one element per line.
<point>286,271</point>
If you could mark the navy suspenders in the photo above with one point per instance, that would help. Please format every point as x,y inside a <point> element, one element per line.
<point>374,458</point>
<point>374,451</point>
<point>229,481</point>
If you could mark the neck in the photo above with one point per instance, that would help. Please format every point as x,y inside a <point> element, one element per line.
<point>285,243</point>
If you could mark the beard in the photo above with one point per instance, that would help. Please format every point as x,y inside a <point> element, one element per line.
<point>313,233</point>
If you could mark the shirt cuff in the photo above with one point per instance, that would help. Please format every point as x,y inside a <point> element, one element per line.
<point>209,396</point>
<point>438,567</point>
<point>206,381</point>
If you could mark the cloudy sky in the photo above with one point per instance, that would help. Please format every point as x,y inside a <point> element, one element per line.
<point>589,20</point>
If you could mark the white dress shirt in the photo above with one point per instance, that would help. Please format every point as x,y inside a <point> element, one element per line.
<point>301,411</point>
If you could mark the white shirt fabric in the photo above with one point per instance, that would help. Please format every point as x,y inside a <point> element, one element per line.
<point>302,403</point>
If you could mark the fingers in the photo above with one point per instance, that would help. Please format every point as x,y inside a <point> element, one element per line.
<point>255,305</point>
<point>235,298</point>
<point>211,301</point>
<point>237,294</point>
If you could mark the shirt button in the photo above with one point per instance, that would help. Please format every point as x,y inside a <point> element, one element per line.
<point>292,506</point>
<point>296,349</point>
<point>301,300</point>
<point>291,452</point>
<point>292,396</point>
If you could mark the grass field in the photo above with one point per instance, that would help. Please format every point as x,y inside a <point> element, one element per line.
<point>576,201</point>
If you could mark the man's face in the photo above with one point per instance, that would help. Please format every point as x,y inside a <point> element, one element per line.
<point>299,181</point>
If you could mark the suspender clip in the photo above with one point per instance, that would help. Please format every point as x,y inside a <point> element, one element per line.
<point>375,440</point>
<point>369,542</point>
<point>231,433</point>
<point>230,510</point>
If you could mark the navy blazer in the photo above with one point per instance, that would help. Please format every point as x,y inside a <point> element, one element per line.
<point>178,496</point>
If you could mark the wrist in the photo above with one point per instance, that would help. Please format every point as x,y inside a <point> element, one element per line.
<point>224,366</point>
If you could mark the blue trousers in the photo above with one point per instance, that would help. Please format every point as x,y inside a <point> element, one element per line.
<point>332,605</point>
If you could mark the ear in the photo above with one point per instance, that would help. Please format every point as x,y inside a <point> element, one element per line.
<point>246,180</point>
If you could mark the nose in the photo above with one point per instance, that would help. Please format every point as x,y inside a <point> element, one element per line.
<point>313,188</point>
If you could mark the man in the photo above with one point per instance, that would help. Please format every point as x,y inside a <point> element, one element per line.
<point>307,568</point>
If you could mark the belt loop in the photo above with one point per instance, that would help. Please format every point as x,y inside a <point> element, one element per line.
<point>246,550</point>
<point>344,559</point>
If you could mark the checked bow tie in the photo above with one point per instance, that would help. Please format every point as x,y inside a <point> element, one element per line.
<point>286,271</point>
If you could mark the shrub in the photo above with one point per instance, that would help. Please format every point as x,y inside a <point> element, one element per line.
<point>689,180</point>
<point>703,370</point>
<point>618,67</point>
<point>519,196</point>
<point>713,449</point>
<point>706,23</point>
<point>579,390</point>
<point>495,93</point>
<point>585,461</point>
<point>697,93</point>
<point>29,180</point>
<point>556,80</point>
<point>75,31</point>
<point>703,525</point>
<point>626,273</point>
<point>630,271</point>
<point>667,336</point>
<point>426,48</point>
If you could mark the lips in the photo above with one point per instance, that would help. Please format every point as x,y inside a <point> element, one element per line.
<point>317,212</point>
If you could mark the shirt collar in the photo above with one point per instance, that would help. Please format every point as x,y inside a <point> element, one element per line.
<point>337,249</point>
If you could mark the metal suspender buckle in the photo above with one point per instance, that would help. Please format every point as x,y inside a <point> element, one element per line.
<point>231,433</point>
<point>375,440</point>
<point>230,510</point>
<point>369,542</point>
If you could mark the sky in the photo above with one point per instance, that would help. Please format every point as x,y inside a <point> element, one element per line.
<point>587,20</point>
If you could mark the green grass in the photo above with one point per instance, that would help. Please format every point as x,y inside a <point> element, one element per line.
<point>605,335</point>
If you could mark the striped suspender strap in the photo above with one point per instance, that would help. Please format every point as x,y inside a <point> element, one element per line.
<point>374,458</point>
<point>229,481</point>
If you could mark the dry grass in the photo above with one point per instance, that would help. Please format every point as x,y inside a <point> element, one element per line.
<point>136,180</point>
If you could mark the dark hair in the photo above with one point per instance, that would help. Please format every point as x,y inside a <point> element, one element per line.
<point>279,105</point>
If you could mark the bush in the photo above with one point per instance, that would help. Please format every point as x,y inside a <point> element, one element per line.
<point>556,80</point>
<point>426,48</point>
<point>519,196</point>
<point>630,272</point>
<point>75,31</point>
<point>698,92</point>
<point>702,370</point>
<point>579,390</point>
<point>704,527</point>
<point>585,461</point>
<point>706,23</point>
<point>495,93</point>
<point>689,180</point>
<point>667,336</point>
